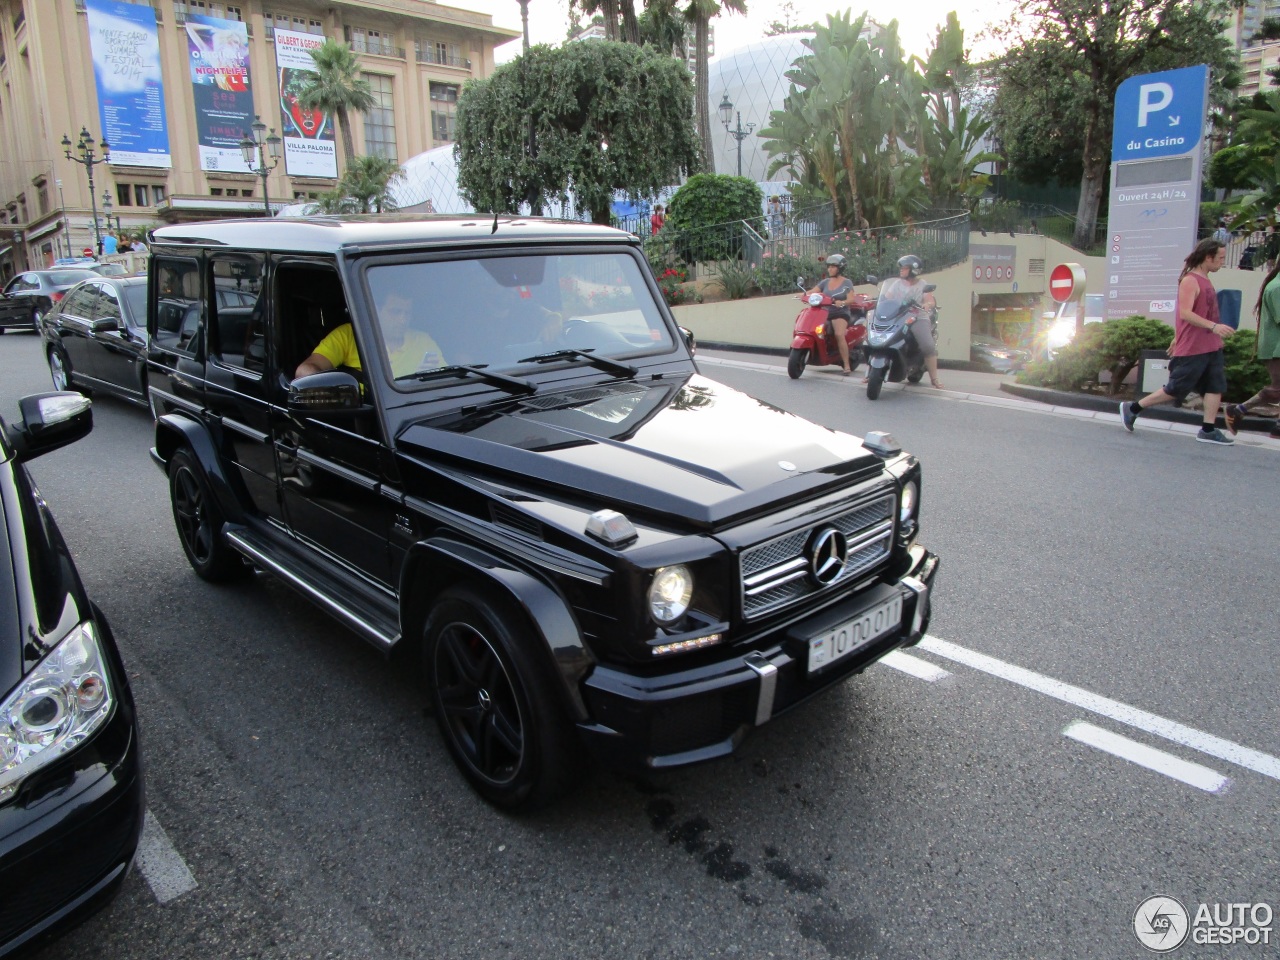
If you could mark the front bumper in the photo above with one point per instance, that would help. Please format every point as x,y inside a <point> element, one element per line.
<point>67,840</point>
<point>643,723</point>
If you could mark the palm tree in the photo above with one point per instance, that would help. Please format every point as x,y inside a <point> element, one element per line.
<point>336,87</point>
<point>699,13</point>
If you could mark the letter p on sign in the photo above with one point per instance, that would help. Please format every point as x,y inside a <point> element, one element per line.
<point>1153,97</point>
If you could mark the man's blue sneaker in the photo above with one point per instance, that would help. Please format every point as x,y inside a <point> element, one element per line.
<point>1127,416</point>
<point>1214,436</point>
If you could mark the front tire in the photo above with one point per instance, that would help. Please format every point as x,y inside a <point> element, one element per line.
<point>59,369</point>
<point>37,319</point>
<point>199,522</point>
<point>494,702</point>
<point>875,380</point>
<point>796,361</point>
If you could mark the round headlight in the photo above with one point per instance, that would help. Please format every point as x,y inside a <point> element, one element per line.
<point>670,593</point>
<point>907,501</point>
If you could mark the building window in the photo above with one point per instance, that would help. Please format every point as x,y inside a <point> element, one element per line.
<point>215,191</point>
<point>365,40</point>
<point>444,100</point>
<point>282,21</point>
<point>124,195</point>
<point>42,198</point>
<point>157,195</point>
<point>140,195</point>
<point>380,122</point>
<point>440,51</point>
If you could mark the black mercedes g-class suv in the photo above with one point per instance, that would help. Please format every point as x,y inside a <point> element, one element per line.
<point>498,449</point>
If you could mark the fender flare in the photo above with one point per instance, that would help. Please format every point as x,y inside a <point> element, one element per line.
<point>174,431</point>
<point>443,562</point>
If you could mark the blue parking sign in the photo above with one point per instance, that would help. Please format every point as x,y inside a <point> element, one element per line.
<point>1160,114</point>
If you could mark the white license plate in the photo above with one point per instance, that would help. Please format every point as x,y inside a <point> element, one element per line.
<point>835,644</point>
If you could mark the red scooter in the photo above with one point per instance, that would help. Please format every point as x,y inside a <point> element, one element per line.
<point>813,341</point>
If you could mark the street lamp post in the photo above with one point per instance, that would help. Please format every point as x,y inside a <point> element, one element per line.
<point>66,225</point>
<point>86,156</point>
<point>726,114</point>
<point>106,210</point>
<point>262,146</point>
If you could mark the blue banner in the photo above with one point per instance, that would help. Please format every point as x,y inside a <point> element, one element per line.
<point>126,69</point>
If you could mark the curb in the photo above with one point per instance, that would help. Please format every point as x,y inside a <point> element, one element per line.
<point>1080,401</point>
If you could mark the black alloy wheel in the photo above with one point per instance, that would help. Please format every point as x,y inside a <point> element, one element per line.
<point>875,380</point>
<point>199,523</point>
<point>494,703</point>
<point>796,361</point>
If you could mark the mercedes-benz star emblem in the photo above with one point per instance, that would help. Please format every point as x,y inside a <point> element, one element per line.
<point>828,551</point>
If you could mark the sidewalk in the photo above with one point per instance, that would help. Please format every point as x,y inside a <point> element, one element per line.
<point>1084,401</point>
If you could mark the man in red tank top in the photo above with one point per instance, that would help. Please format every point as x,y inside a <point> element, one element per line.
<point>1197,361</point>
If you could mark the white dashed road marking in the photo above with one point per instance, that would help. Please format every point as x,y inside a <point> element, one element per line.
<point>1190,773</point>
<point>922,669</point>
<point>1205,743</point>
<point>162,866</point>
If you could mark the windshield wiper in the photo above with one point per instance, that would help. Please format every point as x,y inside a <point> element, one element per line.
<point>569,353</point>
<point>510,384</point>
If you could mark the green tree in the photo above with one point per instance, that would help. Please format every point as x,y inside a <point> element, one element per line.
<point>1252,161</point>
<point>882,134</point>
<point>607,116</point>
<point>789,22</point>
<point>336,87</point>
<point>1060,83</point>
<point>365,187</point>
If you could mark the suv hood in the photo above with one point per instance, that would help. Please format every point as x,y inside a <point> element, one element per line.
<point>691,449</point>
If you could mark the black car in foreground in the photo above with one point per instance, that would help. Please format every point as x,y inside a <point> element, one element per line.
<point>96,338</point>
<point>485,440</point>
<point>71,796</point>
<point>29,296</point>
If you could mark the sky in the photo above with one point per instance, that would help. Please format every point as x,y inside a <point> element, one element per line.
<point>548,20</point>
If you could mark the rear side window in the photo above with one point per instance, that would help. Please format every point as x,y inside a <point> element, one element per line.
<point>178,316</point>
<point>107,307</point>
<point>79,302</point>
<point>238,311</point>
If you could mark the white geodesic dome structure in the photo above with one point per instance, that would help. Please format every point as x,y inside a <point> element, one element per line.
<point>753,78</point>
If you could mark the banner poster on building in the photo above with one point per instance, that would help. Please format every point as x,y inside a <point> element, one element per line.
<point>309,148</point>
<point>218,51</point>
<point>126,70</point>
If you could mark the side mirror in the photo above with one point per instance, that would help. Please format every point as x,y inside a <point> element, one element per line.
<point>930,287</point>
<point>50,421</point>
<point>328,392</point>
<point>105,325</point>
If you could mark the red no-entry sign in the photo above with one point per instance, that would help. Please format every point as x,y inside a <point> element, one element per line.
<point>1066,282</point>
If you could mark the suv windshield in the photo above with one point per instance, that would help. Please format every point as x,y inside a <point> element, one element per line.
<point>495,312</point>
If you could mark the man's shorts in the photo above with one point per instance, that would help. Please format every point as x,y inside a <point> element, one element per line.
<point>1201,372</point>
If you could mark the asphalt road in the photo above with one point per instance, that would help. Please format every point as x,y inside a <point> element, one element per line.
<point>1093,582</point>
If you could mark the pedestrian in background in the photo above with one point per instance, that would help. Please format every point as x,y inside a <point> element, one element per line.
<point>775,217</point>
<point>657,220</point>
<point>1197,360</point>
<point>110,245</point>
<point>1267,311</point>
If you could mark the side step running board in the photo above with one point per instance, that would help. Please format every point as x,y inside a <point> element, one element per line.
<point>374,620</point>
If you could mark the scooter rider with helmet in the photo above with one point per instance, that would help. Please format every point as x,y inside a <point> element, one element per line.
<point>838,287</point>
<point>909,285</point>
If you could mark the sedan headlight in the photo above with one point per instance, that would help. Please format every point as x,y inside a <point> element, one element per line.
<point>907,501</point>
<point>670,593</point>
<point>54,709</point>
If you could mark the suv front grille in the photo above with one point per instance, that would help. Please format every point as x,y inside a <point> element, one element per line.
<point>778,572</point>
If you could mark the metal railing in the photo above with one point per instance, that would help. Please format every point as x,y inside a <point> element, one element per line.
<point>381,48</point>
<point>430,56</point>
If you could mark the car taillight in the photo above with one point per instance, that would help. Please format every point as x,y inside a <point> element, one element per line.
<point>56,297</point>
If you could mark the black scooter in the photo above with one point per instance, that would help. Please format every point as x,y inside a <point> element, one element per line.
<point>892,352</point>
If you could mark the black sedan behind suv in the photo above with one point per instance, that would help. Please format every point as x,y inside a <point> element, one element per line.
<point>71,797</point>
<point>486,439</point>
<point>96,338</point>
<point>29,296</point>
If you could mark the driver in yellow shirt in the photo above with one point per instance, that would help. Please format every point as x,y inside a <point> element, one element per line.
<point>408,348</point>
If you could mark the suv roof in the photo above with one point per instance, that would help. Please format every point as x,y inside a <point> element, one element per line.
<point>329,234</point>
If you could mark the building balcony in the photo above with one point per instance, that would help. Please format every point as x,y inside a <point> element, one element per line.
<point>430,56</point>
